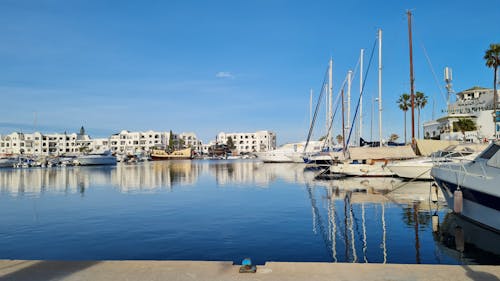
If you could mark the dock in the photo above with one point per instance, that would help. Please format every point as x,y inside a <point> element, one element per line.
<point>21,270</point>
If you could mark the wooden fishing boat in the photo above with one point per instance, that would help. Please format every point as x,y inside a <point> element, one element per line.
<point>159,154</point>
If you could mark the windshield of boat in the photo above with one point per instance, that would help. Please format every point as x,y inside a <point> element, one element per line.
<point>488,153</point>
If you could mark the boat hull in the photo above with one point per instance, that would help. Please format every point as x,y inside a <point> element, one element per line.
<point>377,169</point>
<point>7,163</point>
<point>178,154</point>
<point>474,206</point>
<point>420,172</point>
<point>479,186</point>
<point>97,160</point>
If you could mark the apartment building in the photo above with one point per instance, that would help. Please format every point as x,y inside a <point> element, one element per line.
<point>190,140</point>
<point>133,142</point>
<point>250,142</point>
<point>44,144</point>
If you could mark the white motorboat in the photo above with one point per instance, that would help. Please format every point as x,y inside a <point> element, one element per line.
<point>8,162</point>
<point>472,187</point>
<point>289,153</point>
<point>420,168</point>
<point>95,159</point>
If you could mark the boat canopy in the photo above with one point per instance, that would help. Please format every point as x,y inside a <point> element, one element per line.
<point>384,152</point>
<point>427,147</point>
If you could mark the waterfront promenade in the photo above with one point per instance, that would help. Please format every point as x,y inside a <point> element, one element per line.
<point>21,270</point>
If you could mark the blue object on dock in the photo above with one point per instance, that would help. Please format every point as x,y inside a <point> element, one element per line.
<point>246,261</point>
<point>247,267</point>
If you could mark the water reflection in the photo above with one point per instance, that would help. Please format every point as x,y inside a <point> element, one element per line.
<point>147,176</point>
<point>467,242</point>
<point>347,220</point>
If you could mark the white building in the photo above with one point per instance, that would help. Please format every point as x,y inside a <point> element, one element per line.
<point>43,144</point>
<point>190,140</point>
<point>250,142</point>
<point>475,104</point>
<point>134,142</point>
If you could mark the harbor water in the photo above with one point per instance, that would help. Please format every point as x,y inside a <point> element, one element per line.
<point>229,210</point>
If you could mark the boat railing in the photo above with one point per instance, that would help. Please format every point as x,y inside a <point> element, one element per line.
<point>462,166</point>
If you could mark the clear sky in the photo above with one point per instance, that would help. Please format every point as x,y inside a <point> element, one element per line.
<point>234,66</point>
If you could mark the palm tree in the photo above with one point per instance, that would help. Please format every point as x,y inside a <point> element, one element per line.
<point>393,137</point>
<point>492,57</point>
<point>339,139</point>
<point>464,125</point>
<point>404,104</point>
<point>420,102</point>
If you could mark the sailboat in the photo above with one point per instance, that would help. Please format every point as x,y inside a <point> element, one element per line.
<point>323,158</point>
<point>371,161</point>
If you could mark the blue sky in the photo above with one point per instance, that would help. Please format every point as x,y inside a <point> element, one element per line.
<point>234,66</point>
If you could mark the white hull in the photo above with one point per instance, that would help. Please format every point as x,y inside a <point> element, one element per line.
<point>377,169</point>
<point>7,163</point>
<point>288,153</point>
<point>479,182</point>
<point>412,169</point>
<point>87,160</point>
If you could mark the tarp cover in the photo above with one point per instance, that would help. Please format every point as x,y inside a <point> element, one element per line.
<point>427,147</point>
<point>385,152</point>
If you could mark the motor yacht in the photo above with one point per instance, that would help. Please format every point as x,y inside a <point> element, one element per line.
<point>420,168</point>
<point>104,158</point>
<point>472,187</point>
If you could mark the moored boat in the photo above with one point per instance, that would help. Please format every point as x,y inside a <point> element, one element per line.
<point>420,168</point>
<point>471,187</point>
<point>159,154</point>
<point>8,162</point>
<point>95,159</point>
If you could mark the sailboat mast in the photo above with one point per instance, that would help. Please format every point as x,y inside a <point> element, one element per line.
<point>360,95</point>
<point>349,80</point>
<point>343,123</point>
<point>412,81</point>
<point>330,95</point>
<point>380,86</point>
<point>310,106</point>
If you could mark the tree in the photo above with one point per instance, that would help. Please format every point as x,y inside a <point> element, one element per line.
<point>171,141</point>
<point>230,143</point>
<point>464,125</point>
<point>420,102</point>
<point>492,57</point>
<point>393,137</point>
<point>404,104</point>
<point>339,139</point>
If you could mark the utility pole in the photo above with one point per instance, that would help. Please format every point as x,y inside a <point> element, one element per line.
<point>412,82</point>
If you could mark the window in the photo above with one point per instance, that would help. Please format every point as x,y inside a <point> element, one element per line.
<point>490,152</point>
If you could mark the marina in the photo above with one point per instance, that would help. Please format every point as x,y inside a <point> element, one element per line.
<point>222,210</point>
<point>191,140</point>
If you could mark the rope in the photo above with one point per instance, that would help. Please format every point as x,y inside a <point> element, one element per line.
<point>315,112</point>
<point>362,91</point>
<point>405,183</point>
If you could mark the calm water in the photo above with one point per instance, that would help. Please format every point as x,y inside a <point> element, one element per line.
<point>222,210</point>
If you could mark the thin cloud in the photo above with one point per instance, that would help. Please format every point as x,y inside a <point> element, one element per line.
<point>224,74</point>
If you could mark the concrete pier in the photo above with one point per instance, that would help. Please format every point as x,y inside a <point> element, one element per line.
<point>20,270</point>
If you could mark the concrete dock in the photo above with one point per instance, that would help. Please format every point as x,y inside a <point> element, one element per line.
<point>20,270</point>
